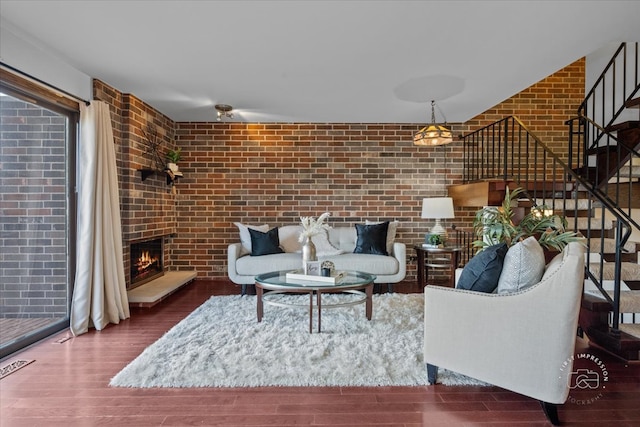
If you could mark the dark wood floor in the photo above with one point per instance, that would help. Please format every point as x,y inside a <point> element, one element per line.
<point>67,385</point>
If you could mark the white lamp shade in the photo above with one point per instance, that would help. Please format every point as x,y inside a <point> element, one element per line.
<point>437,208</point>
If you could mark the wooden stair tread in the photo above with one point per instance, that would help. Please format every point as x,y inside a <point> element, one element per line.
<point>156,290</point>
<point>490,192</point>
<point>632,103</point>
<point>630,171</point>
<point>629,301</point>
<point>632,329</point>
<point>628,271</point>
<point>605,149</point>
<point>570,204</point>
<point>608,246</point>
<point>594,313</point>
<point>585,223</point>
<point>624,345</point>
<point>630,124</point>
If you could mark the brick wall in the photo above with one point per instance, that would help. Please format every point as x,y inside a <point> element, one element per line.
<point>148,208</point>
<point>543,108</point>
<point>274,173</point>
<point>33,219</point>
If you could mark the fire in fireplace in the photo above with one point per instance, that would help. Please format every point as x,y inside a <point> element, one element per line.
<point>146,261</point>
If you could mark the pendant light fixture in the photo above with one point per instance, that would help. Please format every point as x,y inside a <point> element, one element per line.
<point>433,134</point>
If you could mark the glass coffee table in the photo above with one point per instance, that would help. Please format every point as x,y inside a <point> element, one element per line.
<point>353,282</point>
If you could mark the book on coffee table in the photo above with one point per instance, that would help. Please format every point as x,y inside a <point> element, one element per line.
<point>299,278</point>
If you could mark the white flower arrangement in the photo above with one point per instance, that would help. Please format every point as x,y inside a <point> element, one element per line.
<point>312,226</point>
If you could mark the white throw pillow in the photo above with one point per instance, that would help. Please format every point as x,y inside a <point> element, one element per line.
<point>323,246</point>
<point>523,266</point>
<point>245,237</point>
<point>391,233</point>
<point>289,235</point>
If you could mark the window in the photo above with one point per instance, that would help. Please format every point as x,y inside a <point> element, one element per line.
<point>37,213</point>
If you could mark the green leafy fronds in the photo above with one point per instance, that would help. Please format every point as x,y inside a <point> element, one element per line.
<point>495,225</point>
<point>174,155</point>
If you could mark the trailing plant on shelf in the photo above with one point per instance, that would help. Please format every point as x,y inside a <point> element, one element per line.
<point>494,225</point>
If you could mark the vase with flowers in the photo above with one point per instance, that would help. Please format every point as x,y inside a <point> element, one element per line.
<point>311,227</point>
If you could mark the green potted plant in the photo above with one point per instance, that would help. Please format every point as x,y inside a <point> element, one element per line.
<point>434,240</point>
<point>494,225</point>
<point>174,155</point>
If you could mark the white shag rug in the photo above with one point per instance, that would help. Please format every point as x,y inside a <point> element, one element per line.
<point>221,344</point>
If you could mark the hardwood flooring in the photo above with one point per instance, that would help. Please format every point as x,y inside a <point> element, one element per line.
<point>67,385</point>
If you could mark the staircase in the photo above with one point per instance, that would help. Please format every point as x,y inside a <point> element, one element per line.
<point>606,135</point>
<point>596,188</point>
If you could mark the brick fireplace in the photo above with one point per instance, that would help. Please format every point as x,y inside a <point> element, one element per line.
<point>147,261</point>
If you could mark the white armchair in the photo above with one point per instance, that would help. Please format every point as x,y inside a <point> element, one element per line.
<point>523,342</point>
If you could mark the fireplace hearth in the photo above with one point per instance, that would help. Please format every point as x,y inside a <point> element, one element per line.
<point>146,261</point>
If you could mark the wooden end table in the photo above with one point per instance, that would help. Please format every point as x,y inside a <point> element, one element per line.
<point>444,259</point>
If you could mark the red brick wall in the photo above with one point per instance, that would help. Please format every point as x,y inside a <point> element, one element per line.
<point>274,173</point>
<point>543,108</point>
<point>148,208</point>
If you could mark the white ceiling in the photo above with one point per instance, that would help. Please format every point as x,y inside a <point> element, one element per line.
<point>322,61</point>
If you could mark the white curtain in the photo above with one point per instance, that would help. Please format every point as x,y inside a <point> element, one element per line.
<point>99,294</point>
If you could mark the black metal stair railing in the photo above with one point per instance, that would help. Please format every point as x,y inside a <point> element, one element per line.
<point>609,168</point>
<point>607,102</point>
<point>603,138</point>
<point>464,239</point>
<point>507,151</point>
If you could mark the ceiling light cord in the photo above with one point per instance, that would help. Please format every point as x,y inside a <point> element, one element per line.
<point>433,117</point>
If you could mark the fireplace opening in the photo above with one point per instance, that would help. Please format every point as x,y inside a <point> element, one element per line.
<point>146,261</point>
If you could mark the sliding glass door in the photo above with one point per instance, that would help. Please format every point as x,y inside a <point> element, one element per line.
<point>36,217</point>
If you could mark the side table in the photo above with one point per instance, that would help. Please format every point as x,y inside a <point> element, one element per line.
<point>444,259</point>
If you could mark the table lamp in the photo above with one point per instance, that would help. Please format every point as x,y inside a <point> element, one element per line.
<point>437,208</point>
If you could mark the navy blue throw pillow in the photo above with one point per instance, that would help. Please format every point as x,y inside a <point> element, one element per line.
<point>482,272</point>
<point>372,239</point>
<point>265,243</point>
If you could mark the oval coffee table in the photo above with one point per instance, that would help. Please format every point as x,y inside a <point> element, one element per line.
<point>353,282</point>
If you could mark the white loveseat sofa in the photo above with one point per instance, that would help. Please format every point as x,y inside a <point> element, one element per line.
<point>242,267</point>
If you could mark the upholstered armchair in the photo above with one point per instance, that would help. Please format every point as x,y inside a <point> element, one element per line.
<point>523,341</point>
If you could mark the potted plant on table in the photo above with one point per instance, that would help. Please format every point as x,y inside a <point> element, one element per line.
<point>434,240</point>
<point>494,225</point>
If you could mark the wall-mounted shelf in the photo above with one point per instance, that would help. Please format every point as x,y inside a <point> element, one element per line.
<point>171,176</point>
<point>146,173</point>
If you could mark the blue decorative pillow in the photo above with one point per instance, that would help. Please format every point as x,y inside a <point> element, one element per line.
<point>482,272</point>
<point>265,243</point>
<point>372,239</point>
